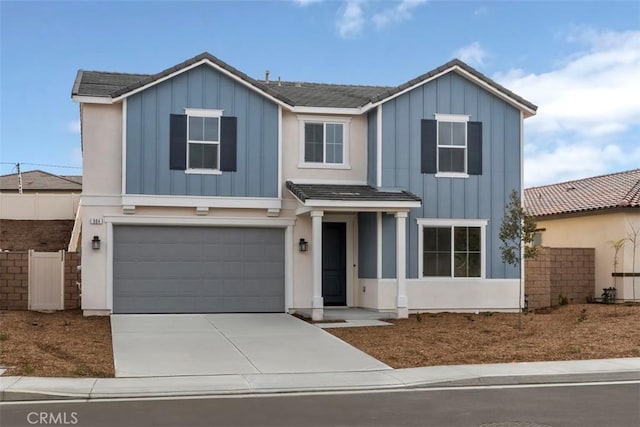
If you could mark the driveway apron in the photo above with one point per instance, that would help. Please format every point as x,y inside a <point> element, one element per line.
<point>150,345</point>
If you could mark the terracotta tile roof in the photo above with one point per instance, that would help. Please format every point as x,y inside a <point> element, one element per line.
<point>616,190</point>
<point>38,180</point>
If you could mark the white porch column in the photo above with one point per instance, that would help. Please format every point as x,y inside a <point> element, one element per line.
<point>316,248</point>
<point>401,265</point>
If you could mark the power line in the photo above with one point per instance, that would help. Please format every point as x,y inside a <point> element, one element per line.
<point>41,164</point>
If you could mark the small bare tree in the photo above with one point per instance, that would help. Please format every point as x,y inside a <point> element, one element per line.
<point>517,232</point>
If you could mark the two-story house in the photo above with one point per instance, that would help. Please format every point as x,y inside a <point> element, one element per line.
<point>206,190</point>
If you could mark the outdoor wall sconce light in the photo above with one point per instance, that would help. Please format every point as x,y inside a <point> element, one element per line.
<point>95,243</point>
<point>303,244</point>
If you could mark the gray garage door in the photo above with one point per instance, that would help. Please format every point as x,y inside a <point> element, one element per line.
<point>197,269</point>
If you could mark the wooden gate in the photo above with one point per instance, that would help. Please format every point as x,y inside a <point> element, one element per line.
<point>46,280</point>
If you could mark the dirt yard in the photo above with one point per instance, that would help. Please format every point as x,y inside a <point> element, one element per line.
<point>61,344</point>
<point>65,344</point>
<point>572,332</point>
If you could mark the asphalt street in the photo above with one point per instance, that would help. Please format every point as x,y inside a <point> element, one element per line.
<point>582,405</point>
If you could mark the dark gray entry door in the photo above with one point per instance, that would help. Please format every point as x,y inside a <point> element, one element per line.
<point>167,269</point>
<point>334,263</point>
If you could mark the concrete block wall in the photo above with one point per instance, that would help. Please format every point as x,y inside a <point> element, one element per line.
<point>567,272</point>
<point>43,236</point>
<point>71,280</point>
<point>14,280</point>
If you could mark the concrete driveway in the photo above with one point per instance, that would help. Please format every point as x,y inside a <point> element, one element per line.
<point>146,345</point>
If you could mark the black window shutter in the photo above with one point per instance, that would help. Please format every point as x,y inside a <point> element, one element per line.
<point>228,143</point>
<point>178,142</point>
<point>429,146</point>
<point>474,148</point>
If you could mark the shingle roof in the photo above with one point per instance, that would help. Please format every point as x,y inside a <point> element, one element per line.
<point>327,95</point>
<point>113,85</point>
<point>616,190</point>
<point>38,180</point>
<point>101,83</point>
<point>306,192</point>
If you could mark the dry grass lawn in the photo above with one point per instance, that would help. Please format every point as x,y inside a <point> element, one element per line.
<point>60,344</point>
<point>66,344</point>
<point>572,332</point>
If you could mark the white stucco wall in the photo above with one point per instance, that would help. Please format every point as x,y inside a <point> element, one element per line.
<point>101,149</point>
<point>101,188</point>
<point>291,143</point>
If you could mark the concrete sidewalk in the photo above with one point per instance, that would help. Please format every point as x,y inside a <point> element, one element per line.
<point>30,388</point>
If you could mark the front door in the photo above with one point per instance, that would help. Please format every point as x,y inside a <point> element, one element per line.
<point>334,263</point>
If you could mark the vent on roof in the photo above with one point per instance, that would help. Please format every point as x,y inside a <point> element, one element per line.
<point>571,187</point>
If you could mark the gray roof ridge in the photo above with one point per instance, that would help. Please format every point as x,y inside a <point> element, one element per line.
<point>302,82</point>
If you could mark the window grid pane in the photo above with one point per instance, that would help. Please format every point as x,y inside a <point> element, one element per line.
<point>451,159</point>
<point>211,129</point>
<point>467,262</point>
<point>334,143</point>
<point>458,134</point>
<point>437,251</point>
<point>203,156</point>
<point>196,128</point>
<point>313,142</point>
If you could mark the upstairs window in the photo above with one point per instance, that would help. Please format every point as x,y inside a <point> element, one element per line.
<point>451,146</point>
<point>323,143</point>
<point>203,141</point>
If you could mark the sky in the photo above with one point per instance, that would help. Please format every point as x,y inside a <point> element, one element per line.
<point>579,61</point>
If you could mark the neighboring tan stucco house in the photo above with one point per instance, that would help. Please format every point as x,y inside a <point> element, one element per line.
<point>37,210</point>
<point>594,213</point>
<point>205,187</point>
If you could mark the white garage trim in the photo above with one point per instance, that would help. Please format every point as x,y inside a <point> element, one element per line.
<point>287,224</point>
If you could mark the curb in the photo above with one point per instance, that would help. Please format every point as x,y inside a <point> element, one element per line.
<point>144,391</point>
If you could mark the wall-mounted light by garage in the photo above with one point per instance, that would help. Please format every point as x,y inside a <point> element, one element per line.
<point>303,245</point>
<point>95,243</point>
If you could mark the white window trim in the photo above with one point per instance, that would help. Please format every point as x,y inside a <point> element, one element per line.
<point>452,118</point>
<point>344,121</point>
<point>201,112</point>
<point>446,222</point>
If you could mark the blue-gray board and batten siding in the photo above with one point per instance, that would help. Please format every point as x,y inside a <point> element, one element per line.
<point>476,197</point>
<point>147,137</point>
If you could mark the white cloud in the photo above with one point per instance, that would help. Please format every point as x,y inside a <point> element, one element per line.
<point>472,54</point>
<point>74,126</point>
<point>350,19</point>
<point>595,91</point>
<point>588,119</point>
<point>303,3</point>
<point>399,13</point>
